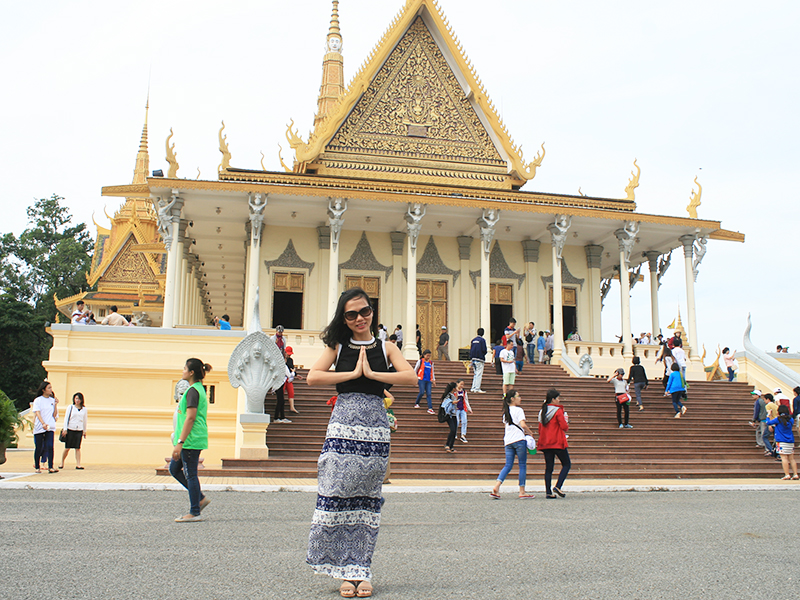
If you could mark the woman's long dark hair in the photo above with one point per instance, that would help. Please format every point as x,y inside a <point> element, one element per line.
<point>783,415</point>
<point>509,396</point>
<point>42,387</point>
<point>79,396</point>
<point>552,394</point>
<point>337,331</point>
<point>447,390</point>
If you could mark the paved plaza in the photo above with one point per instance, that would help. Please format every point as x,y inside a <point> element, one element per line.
<point>123,544</point>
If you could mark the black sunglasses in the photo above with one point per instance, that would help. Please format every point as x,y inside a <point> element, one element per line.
<point>352,315</point>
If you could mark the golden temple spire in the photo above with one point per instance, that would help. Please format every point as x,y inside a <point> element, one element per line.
<point>332,68</point>
<point>142,158</point>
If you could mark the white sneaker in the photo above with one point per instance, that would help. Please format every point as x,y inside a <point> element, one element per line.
<point>480,391</point>
<point>286,421</point>
<point>464,439</point>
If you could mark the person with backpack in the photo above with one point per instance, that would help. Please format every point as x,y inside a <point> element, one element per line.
<point>449,412</point>
<point>784,440</point>
<point>553,427</point>
<point>530,339</point>
<point>515,443</point>
<point>676,388</point>
<point>424,371</point>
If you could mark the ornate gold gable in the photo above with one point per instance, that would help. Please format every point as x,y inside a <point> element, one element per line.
<point>130,267</point>
<point>407,116</point>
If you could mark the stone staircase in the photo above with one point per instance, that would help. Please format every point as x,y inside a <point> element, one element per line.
<point>712,440</point>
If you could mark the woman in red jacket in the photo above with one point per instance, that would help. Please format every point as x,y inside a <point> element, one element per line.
<point>553,427</point>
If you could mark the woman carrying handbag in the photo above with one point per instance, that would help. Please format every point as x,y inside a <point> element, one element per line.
<point>75,425</point>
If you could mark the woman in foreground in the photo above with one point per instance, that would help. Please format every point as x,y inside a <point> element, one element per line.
<point>352,464</point>
<point>553,427</point>
<point>515,444</point>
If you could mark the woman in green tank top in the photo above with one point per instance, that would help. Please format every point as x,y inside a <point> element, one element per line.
<point>191,438</point>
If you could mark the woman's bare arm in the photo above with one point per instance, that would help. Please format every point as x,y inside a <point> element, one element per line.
<point>320,373</point>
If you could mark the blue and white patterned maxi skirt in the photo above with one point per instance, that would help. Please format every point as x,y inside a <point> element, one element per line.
<point>351,469</point>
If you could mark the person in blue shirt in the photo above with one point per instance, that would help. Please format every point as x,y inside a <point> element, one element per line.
<point>784,440</point>
<point>540,342</point>
<point>426,379</point>
<point>224,323</point>
<point>477,355</point>
<point>676,388</point>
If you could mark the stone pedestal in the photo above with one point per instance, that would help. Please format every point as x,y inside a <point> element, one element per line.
<point>254,429</point>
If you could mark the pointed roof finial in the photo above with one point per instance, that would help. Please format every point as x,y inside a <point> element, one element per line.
<point>142,158</point>
<point>334,28</point>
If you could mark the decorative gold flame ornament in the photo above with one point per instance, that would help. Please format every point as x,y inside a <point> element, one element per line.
<point>223,148</point>
<point>634,182</point>
<point>171,158</point>
<point>286,167</point>
<point>694,200</point>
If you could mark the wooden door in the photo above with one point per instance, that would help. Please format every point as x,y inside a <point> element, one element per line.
<point>431,312</point>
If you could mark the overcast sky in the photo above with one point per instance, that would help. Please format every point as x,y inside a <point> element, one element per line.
<point>689,88</point>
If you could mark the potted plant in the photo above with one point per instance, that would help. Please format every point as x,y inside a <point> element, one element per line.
<point>10,421</point>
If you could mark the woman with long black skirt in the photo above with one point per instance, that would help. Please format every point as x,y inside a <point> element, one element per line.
<point>352,464</point>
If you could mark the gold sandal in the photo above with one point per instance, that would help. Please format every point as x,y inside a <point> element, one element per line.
<point>347,589</point>
<point>364,589</point>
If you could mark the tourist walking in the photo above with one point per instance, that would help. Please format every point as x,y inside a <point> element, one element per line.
<point>540,344</point>
<point>553,427</point>
<point>530,340</point>
<point>519,356</point>
<point>760,423</point>
<point>443,349</point>
<point>728,358</point>
<point>477,356</point>
<point>638,376</point>
<point>449,404</point>
<point>784,440</point>
<point>45,414</point>
<point>549,345</point>
<point>509,365</point>
<point>426,379</point>
<point>496,350</point>
<point>515,444</point>
<point>352,463</point>
<point>463,407</point>
<point>676,388</point>
<point>398,331</point>
<point>679,354</point>
<point>292,375</point>
<point>621,398</point>
<point>75,427</point>
<point>667,358</point>
<point>191,438</point>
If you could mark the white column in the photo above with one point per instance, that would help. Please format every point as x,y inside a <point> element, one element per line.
<point>414,214</point>
<point>594,257</point>
<point>627,238</point>
<point>488,224</point>
<point>324,244</point>
<point>181,312</point>
<point>530,254</point>
<point>393,310</point>
<point>172,216</point>
<point>558,237</point>
<point>652,261</point>
<point>466,327</point>
<point>691,316</point>
<point>336,208</point>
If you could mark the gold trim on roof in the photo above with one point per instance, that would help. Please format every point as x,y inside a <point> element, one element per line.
<point>172,173</point>
<point>306,152</point>
<point>633,183</point>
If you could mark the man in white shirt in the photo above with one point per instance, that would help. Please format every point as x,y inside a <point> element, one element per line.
<point>115,319</point>
<point>679,355</point>
<point>79,314</point>
<point>508,364</point>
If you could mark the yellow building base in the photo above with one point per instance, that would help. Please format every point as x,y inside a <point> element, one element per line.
<point>254,430</point>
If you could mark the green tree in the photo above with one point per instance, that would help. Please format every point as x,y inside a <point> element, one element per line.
<point>24,344</point>
<point>50,257</point>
